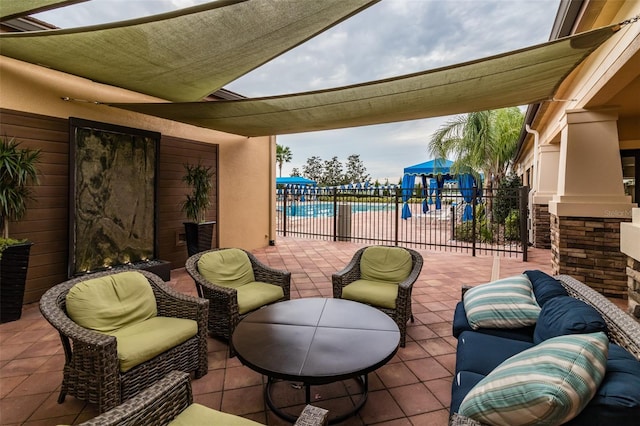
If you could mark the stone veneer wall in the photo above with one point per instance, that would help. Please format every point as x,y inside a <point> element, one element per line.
<point>633,280</point>
<point>588,249</point>
<point>541,226</point>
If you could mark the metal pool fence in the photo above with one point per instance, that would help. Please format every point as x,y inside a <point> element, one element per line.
<point>453,219</point>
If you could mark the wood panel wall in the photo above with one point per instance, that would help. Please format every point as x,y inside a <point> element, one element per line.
<point>46,222</point>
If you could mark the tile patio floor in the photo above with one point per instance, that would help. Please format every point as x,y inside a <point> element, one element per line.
<point>412,389</point>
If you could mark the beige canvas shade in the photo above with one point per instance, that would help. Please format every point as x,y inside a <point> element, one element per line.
<point>183,55</point>
<point>520,77</point>
<point>10,9</point>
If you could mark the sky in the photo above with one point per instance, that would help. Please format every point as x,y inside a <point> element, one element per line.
<point>390,38</point>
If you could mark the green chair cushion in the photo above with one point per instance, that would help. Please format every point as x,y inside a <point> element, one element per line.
<point>385,264</point>
<point>143,341</point>
<point>374,293</point>
<point>226,268</point>
<point>111,302</point>
<point>197,414</point>
<point>256,294</point>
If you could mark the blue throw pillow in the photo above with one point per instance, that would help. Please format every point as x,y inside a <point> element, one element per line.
<point>545,287</point>
<point>565,315</point>
<point>617,400</point>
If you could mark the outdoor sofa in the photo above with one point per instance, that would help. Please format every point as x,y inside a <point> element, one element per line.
<point>533,374</point>
<point>170,402</point>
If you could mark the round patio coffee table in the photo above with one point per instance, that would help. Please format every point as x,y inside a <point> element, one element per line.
<point>316,341</point>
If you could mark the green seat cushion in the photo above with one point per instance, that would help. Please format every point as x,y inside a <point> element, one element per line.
<point>145,340</point>
<point>253,295</point>
<point>374,293</point>
<point>385,264</point>
<point>111,302</point>
<point>197,414</point>
<point>505,303</point>
<point>548,384</point>
<point>226,268</point>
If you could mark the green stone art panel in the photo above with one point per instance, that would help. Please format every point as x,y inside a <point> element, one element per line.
<point>114,197</point>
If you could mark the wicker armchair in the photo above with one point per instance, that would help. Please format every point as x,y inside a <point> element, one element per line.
<point>165,400</point>
<point>92,369</point>
<point>402,312</point>
<point>224,312</point>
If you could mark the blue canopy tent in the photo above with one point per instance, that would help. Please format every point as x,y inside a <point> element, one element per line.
<point>297,186</point>
<point>431,168</point>
<point>438,167</point>
<point>294,180</point>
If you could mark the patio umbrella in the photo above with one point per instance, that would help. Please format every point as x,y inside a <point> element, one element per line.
<point>407,191</point>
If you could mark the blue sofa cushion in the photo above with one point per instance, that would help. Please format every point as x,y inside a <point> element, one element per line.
<point>617,400</point>
<point>460,324</point>
<point>545,287</point>
<point>548,384</point>
<point>565,315</point>
<point>481,353</point>
<point>463,382</point>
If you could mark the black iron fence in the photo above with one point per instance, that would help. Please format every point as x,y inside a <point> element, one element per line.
<point>464,220</point>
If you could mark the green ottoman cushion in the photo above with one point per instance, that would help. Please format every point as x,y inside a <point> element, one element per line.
<point>108,303</point>
<point>143,341</point>
<point>256,294</point>
<point>226,268</point>
<point>197,414</point>
<point>374,293</point>
<point>385,264</point>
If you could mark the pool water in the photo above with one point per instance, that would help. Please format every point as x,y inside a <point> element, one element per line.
<point>315,209</point>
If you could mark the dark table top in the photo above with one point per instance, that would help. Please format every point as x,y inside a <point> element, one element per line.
<point>316,340</point>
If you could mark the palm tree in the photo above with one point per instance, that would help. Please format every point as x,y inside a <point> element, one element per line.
<point>480,141</point>
<point>283,155</point>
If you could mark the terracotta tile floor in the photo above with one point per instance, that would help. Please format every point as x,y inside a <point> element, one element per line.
<point>412,389</point>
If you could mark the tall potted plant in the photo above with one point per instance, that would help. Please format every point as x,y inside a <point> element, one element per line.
<point>17,172</point>
<point>199,232</point>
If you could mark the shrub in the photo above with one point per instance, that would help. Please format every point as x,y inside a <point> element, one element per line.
<point>512,226</point>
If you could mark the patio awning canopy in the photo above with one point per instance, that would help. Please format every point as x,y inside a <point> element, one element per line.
<point>517,78</point>
<point>183,55</point>
<point>10,9</point>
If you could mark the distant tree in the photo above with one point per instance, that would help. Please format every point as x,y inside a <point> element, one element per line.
<point>295,172</point>
<point>483,140</point>
<point>283,155</point>
<point>313,169</point>
<point>332,174</point>
<point>356,171</point>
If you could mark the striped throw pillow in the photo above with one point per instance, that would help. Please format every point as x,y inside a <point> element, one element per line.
<point>506,303</point>
<point>548,384</point>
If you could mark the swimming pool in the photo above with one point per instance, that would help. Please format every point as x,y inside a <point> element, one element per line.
<point>325,209</point>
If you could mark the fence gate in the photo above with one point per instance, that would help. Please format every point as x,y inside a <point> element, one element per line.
<point>478,222</point>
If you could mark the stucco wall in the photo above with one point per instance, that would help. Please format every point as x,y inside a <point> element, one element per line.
<point>246,165</point>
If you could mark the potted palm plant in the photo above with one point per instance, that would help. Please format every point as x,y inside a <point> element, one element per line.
<point>199,232</point>
<point>17,172</point>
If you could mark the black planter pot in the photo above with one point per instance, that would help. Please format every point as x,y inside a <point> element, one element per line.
<point>199,236</point>
<point>13,275</point>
